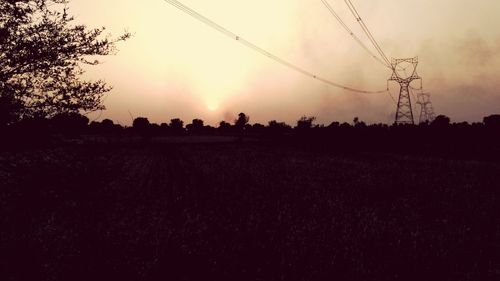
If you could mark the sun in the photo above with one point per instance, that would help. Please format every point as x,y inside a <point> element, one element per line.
<point>212,106</point>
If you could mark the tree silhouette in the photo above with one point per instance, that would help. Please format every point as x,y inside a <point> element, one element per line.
<point>305,122</point>
<point>224,127</point>
<point>441,121</point>
<point>257,129</point>
<point>142,127</point>
<point>196,127</point>
<point>141,123</point>
<point>108,125</point>
<point>334,125</point>
<point>176,126</point>
<point>241,121</point>
<point>358,123</point>
<point>492,121</point>
<point>278,128</point>
<point>42,53</point>
<point>70,123</point>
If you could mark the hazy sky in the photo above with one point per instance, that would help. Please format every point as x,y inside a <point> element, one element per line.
<point>175,66</point>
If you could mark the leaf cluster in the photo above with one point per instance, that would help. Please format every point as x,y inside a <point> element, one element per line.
<point>42,54</point>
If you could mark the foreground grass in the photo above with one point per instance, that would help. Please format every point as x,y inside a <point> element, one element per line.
<point>245,212</point>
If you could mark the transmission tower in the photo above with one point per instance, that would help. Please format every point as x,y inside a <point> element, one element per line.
<point>426,109</point>
<point>404,112</point>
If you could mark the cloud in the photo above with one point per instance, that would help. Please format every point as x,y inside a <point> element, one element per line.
<point>464,75</point>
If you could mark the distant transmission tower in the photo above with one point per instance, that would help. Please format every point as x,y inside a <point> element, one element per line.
<point>426,109</point>
<point>400,74</point>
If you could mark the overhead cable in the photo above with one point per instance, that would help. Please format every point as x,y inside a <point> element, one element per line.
<point>366,30</point>
<point>356,38</point>
<point>250,45</point>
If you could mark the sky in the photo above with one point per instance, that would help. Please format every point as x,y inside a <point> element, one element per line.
<point>177,67</point>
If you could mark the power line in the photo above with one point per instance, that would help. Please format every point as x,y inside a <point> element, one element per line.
<point>391,95</point>
<point>410,89</point>
<point>356,38</point>
<point>250,45</point>
<point>365,29</point>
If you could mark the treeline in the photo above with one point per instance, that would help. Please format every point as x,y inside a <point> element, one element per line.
<point>440,136</point>
<point>74,124</point>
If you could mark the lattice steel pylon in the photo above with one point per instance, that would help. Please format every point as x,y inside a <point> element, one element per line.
<point>404,112</point>
<point>426,109</point>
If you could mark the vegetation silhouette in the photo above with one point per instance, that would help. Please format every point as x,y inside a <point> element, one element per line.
<point>43,52</point>
<point>305,123</point>
<point>241,122</point>
<point>196,127</point>
<point>177,126</point>
<point>438,138</point>
<point>106,127</point>
<point>492,121</point>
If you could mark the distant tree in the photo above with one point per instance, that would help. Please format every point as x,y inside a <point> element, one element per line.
<point>241,121</point>
<point>441,121</point>
<point>176,123</point>
<point>42,53</point>
<point>258,128</point>
<point>224,127</point>
<point>95,126</point>
<point>142,127</point>
<point>334,125</point>
<point>141,123</point>
<point>278,128</point>
<point>176,126</point>
<point>276,124</point>
<point>358,123</point>
<point>492,121</point>
<point>198,123</point>
<point>305,122</point>
<point>223,124</point>
<point>108,125</point>
<point>462,125</point>
<point>196,127</point>
<point>345,126</point>
<point>70,123</point>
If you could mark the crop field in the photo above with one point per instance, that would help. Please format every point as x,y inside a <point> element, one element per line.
<point>245,211</point>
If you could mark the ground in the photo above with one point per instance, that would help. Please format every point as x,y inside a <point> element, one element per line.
<point>245,211</point>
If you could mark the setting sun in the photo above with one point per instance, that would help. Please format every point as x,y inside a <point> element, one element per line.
<point>212,106</point>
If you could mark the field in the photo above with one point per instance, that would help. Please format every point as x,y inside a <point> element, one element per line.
<point>245,211</point>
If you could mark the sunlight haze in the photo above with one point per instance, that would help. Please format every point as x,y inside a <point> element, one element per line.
<point>177,67</point>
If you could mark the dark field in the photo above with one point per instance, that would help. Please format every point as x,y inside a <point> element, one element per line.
<point>245,211</point>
